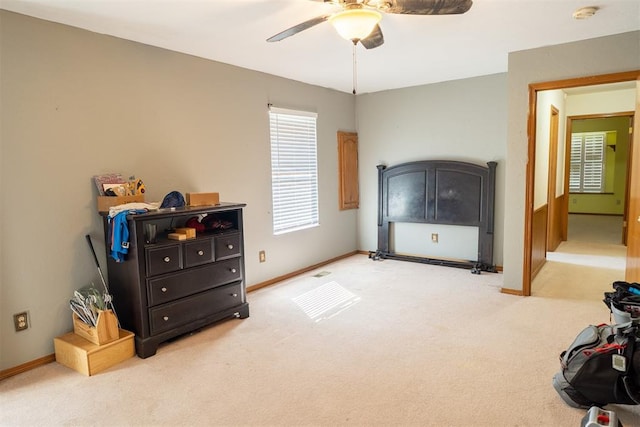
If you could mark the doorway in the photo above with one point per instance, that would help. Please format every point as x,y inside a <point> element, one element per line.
<point>612,199</point>
<point>587,162</point>
<point>532,264</point>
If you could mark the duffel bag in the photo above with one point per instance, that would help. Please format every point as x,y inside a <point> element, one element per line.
<point>600,367</point>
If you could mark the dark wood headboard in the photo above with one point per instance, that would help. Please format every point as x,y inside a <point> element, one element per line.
<point>438,192</point>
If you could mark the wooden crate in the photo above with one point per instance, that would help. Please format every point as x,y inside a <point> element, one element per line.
<point>203,199</point>
<point>105,331</point>
<point>88,358</point>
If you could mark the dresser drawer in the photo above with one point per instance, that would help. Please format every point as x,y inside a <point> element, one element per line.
<point>189,309</point>
<point>227,246</point>
<point>186,282</point>
<point>163,259</point>
<point>198,252</point>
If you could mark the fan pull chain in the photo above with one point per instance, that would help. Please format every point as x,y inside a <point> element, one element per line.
<point>355,67</point>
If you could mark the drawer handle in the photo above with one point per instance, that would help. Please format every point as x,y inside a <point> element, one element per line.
<point>166,318</point>
<point>233,270</point>
<point>200,253</point>
<point>167,259</point>
<point>229,246</point>
<point>164,289</point>
<point>234,295</point>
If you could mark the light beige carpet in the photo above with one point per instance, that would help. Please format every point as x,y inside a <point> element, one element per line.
<point>580,270</point>
<point>371,343</point>
<point>584,266</point>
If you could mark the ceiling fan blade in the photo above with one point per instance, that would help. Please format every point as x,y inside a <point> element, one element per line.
<point>374,39</point>
<point>425,7</point>
<point>298,28</point>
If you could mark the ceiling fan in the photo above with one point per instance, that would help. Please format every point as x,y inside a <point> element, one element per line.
<point>358,19</point>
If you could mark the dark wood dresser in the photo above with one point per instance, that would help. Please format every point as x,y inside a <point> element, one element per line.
<point>172,287</point>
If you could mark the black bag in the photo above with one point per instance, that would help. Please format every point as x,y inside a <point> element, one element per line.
<point>600,367</point>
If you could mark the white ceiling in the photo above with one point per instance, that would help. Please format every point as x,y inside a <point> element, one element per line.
<point>417,50</point>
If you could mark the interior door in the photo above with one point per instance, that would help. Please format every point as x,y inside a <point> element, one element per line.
<point>554,232</point>
<point>632,273</point>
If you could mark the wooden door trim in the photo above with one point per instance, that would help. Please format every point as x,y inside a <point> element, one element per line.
<point>534,88</point>
<point>632,270</point>
<point>567,167</point>
<point>627,193</point>
<point>552,179</point>
<point>602,116</point>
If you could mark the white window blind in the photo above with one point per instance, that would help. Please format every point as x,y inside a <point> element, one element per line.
<point>586,174</point>
<point>294,171</point>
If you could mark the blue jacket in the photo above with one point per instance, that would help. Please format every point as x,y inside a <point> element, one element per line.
<point>120,234</point>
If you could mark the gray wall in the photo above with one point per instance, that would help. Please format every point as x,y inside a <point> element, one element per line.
<point>75,104</point>
<point>584,58</point>
<point>459,120</point>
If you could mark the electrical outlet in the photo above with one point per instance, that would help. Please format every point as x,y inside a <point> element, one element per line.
<point>434,237</point>
<point>21,321</point>
<point>262,256</point>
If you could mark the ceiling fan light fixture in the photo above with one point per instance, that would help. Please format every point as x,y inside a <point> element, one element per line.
<point>379,4</point>
<point>355,24</point>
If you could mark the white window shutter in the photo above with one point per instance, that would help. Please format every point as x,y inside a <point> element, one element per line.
<point>586,174</point>
<point>575,171</point>
<point>294,175</point>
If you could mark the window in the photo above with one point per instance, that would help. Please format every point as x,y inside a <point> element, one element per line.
<point>294,172</point>
<point>586,173</point>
